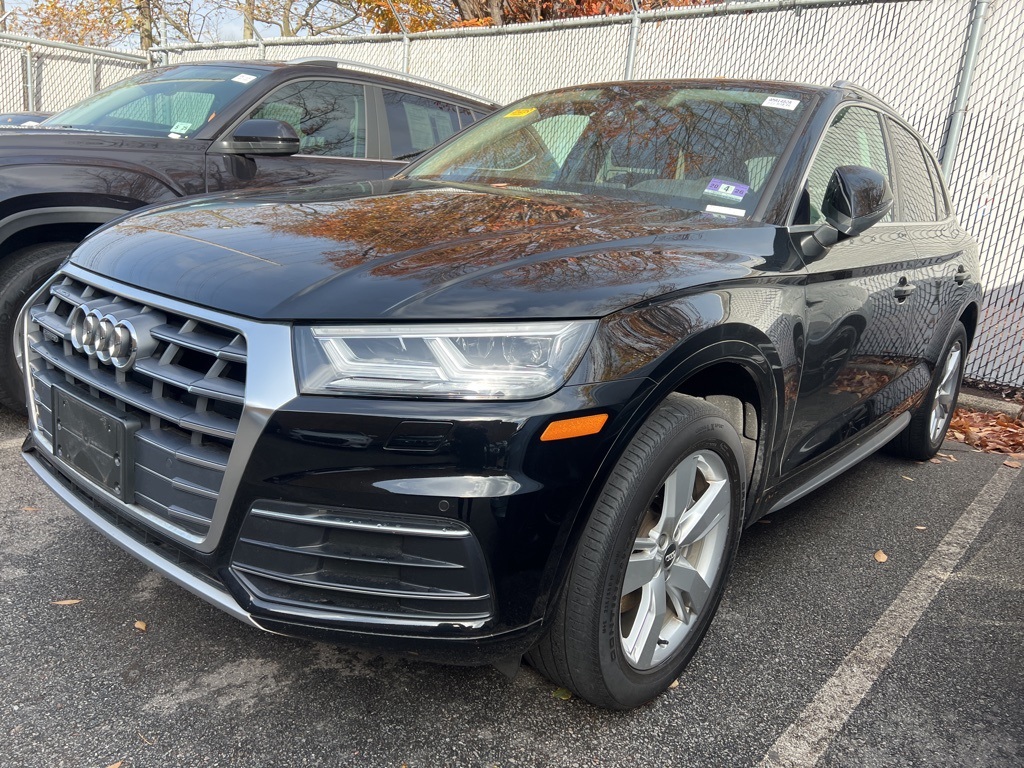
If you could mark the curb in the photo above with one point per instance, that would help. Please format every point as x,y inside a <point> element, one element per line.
<point>989,404</point>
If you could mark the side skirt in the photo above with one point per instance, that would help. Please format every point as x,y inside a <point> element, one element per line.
<point>846,461</point>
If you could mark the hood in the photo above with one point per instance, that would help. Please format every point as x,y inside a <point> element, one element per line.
<point>417,250</point>
<point>21,145</point>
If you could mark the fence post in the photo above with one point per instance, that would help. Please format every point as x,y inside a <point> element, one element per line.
<point>92,73</point>
<point>30,79</point>
<point>634,31</point>
<point>963,91</point>
<point>405,37</point>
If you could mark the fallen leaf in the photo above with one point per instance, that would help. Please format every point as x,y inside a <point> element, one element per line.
<point>920,527</point>
<point>140,625</point>
<point>880,556</point>
<point>991,432</point>
<point>563,694</point>
<point>675,684</point>
<point>934,461</point>
<point>907,478</point>
<point>118,764</point>
<point>65,602</point>
<point>1011,464</point>
<point>30,509</point>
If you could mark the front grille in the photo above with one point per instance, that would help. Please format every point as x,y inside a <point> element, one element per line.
<point>186,390</point>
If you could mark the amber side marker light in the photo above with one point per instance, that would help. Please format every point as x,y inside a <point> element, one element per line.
<point>578,427</point>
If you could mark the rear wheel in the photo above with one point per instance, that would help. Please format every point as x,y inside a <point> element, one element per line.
<point>22,273</point>
<point>927,429</point>
<point>651,566</point>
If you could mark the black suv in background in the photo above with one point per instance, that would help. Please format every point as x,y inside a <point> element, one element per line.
<point>195,128</point>
<point>525,397</point>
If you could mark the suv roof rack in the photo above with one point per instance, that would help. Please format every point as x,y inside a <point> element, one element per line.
<point>855,87</point>
<point>352,64</point>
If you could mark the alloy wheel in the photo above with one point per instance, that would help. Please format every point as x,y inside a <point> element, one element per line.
<point>677,554</point>
<point>945,393</point>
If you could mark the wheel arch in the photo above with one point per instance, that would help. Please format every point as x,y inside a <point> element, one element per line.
<point>742,353</point>
<point>732,360</point>
<point>52,224</point>
<point>746,368</point>
<point>969,318</point>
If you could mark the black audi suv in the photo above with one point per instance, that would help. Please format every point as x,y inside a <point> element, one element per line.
<point>523,398</point>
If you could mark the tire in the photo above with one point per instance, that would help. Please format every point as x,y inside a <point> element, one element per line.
<point>927,428</point>
<point>22,273</point>
<point>638,599</point>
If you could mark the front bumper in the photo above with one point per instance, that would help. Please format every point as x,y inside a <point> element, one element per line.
<point>514,523</point>
<point>431,528</point>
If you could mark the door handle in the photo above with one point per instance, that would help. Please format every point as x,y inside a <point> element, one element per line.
<point>961,275</point>
<point>903,289</point>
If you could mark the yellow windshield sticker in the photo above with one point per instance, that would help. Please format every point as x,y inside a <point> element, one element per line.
<point>521,112</point>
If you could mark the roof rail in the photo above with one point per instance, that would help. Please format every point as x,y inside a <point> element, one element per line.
<point>855,87</point>
<point>352,64</point>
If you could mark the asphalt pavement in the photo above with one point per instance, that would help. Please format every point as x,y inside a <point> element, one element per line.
<point>820,654</point>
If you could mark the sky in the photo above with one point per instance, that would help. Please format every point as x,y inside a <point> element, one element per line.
<point>230,28</point>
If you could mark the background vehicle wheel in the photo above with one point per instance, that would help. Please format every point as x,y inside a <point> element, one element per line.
<point>22,272</point>
<point>651,565</point>
<point>927,429</point>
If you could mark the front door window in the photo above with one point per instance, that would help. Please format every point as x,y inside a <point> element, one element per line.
<point>328,115</point>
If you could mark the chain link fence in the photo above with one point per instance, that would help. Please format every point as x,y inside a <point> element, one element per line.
<point>43,76</point>
<point>910,52</point>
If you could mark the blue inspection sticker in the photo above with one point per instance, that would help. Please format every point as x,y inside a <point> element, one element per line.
<point>726,190</point>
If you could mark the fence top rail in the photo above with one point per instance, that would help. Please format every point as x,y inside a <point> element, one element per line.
<point>696,11</point>
<point>34,42</point>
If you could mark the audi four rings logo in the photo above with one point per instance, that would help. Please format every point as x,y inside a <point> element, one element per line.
<point>113,333</point>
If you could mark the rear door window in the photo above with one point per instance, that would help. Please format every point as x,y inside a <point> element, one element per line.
<point>917,195</point>
<point>417,123</point>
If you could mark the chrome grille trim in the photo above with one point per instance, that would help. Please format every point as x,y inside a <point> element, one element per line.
<point>361,589</point>
<point>328,521</point>
<point>200,342</point>
<point>265,347</point>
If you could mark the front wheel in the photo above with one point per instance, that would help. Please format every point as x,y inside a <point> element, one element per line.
<point>652,562</point>
<point>22,273</point>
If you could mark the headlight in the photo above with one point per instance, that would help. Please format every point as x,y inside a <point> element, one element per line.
<point>466,361</point>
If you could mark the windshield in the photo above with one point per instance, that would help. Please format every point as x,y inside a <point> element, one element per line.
<point>175,102</point>
<point>701,147</point>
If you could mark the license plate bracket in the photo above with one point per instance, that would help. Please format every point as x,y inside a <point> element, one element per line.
<point>94,439</point>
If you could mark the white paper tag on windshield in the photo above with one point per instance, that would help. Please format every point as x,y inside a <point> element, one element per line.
<point>777,102</point>
<point>727,211</point>
<point>180,127</point>
<point>244,79</point>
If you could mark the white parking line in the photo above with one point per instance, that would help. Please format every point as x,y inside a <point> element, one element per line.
<point>807,738</point>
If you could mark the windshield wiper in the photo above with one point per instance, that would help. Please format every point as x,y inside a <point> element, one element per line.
<point>77,128</point>
<point>410,155</point>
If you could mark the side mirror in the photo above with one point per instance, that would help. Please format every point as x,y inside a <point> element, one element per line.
<point>855,199</point>
<point>261,137</point>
